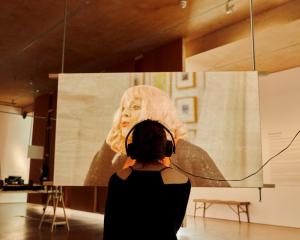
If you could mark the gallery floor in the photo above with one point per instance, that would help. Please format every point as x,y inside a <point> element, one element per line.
<point>20,221</point>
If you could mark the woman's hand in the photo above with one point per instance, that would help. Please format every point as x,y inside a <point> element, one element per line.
<point>129,163</point>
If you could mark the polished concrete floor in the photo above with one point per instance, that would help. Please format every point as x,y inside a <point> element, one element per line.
<point>20,221</point>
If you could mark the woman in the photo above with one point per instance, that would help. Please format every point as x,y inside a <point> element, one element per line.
<point>154,197</point>
<point>147,102</point>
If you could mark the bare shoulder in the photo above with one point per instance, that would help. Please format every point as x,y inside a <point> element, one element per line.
<point>172,176</point>
<point>124,173</point>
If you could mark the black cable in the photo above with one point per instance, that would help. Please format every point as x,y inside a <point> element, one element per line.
<point>244,178</point>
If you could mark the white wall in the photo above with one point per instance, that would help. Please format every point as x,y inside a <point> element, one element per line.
<point>14,140</point>
<point>280,111</point>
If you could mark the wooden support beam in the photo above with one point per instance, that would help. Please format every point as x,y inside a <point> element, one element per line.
<point>53,75</point>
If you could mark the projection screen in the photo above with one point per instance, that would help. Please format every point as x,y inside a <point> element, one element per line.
<point>214,117</point>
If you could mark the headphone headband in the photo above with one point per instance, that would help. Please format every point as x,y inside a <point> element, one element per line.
<point>156,122</point>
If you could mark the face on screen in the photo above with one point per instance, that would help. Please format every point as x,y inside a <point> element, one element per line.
<point>131,111</point>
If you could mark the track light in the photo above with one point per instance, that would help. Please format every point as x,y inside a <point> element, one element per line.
<point>183,3</point>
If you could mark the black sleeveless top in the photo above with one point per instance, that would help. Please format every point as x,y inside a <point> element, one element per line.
<point>143,207</point>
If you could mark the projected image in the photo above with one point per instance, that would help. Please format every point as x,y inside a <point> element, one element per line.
<point>147,102</point>
<point>214,121</point>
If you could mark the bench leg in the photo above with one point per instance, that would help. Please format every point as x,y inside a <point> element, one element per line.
<point>44,210</point>
<point>204,208</point>
<point>247,212</point>
<point>238,212</point>
<point>195,209</point>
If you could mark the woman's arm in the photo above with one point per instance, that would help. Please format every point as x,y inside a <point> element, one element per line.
<point>104,164</point>
<point>195,160</point>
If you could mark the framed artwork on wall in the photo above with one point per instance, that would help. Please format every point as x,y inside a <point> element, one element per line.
<point>161,80</point>
<point>185,80</point>
<point>187,109</point>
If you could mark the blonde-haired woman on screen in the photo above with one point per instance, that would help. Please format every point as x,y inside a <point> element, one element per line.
<point>147,102</point>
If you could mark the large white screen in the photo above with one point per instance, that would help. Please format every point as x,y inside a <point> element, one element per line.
<point>216,124</point>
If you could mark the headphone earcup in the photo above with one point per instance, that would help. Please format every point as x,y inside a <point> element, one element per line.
<point>169,148</point>
<point>131,150</point>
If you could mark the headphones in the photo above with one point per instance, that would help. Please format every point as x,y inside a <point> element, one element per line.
<point>131,148</point>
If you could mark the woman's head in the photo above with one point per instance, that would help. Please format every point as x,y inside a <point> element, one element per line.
<point>149,142</point>
<point>137,104</point>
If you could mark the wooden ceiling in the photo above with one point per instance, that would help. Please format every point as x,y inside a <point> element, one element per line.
<point>101,33</point>
<point>277,43</point>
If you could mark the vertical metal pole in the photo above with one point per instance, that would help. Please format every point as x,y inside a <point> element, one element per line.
<point>64,37</point>
<point>30,134</point>
<point>252,35</point>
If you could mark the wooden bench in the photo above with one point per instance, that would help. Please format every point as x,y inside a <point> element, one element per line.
<point>241,207</point>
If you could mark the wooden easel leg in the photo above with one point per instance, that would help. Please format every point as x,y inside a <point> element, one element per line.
<point>65,215</point>
<point>44,210</point>
<point>55,203</point>
<point>56,197</point>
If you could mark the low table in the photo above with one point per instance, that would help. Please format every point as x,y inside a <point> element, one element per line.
<point>241,207</point>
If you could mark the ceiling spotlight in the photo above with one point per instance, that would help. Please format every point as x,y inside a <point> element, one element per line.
<point>183,3</point>
<point>229,7</point>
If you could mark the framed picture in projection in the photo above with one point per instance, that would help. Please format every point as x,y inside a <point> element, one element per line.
<point>185,80</point>
<point>161,80</point>
<point>187,109</point>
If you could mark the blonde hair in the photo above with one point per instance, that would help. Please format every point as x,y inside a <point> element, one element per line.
<point>155,105</point>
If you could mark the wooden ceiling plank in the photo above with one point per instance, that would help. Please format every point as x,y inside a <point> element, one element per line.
<point>99,36</point>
